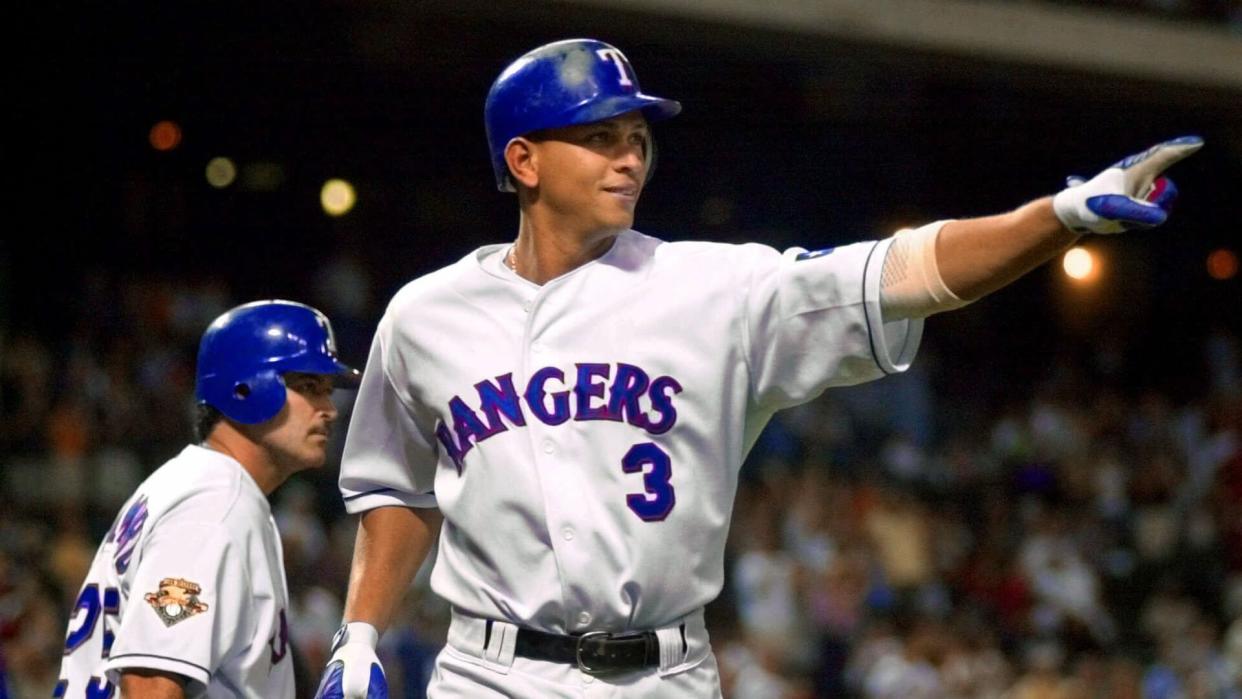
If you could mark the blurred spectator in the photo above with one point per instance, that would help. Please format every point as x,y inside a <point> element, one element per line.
<point>910,670</point>
<point>768,583</point>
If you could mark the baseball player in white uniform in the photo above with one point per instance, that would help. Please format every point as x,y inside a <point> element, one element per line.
<point>570,411</point>
<point>186,596</point>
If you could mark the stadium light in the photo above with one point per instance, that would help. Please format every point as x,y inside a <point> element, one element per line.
<point>1222,264</point>
<point>165,135</point>
<point>1080,265</point>
<point>221,172</point>
<point>337,197</point>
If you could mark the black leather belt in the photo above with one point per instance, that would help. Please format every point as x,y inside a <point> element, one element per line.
<point>594,652</point>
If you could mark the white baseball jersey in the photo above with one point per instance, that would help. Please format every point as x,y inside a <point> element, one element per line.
<point>190,579</point>
<point>583,438</point>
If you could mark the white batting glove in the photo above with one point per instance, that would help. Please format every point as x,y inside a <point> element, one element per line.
<point>1129,194</point>
<point>354,671</point>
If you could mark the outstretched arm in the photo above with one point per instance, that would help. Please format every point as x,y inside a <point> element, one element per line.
<point>931,270</point>
<point>977,256</point>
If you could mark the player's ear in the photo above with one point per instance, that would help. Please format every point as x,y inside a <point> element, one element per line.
<point>522,159</point>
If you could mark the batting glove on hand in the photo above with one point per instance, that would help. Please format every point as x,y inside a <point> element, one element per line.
<point>1130,194</point>
<point>354,671</point>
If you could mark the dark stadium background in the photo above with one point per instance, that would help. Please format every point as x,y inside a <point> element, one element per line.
<point>786,138</point>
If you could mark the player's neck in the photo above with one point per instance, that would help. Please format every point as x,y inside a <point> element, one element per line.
<point>254,460</point>
<point>543,253</point>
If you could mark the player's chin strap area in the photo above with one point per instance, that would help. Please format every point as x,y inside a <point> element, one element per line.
<point>668,649</point>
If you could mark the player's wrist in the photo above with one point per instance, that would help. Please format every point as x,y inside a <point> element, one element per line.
<point>356,632</point>
<point>1069,207</point>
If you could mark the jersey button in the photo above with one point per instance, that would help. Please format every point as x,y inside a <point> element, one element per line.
<point>548,446</point>
<point>567,533</point>
<point>584,618</point>
<point>526,305</point>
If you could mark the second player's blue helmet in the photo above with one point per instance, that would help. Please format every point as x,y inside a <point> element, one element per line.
<point>245,352</point>
<point>565,83</point>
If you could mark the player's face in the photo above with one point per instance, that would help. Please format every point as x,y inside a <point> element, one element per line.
<point>591,175</point>
<point>297,438</point>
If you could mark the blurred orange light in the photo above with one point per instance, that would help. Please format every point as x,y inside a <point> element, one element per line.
<point>165,135</point>
<point>1079,264</point>
<point>1222,264</point>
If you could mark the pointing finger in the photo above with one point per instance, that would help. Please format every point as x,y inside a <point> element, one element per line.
<point>1160,157</point>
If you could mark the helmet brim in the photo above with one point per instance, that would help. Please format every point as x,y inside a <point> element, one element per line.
<point>343,375</point>
<point>653,108</point>
<point>346,377</point>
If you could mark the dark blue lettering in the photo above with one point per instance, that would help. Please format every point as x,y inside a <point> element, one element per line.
<point>657,501</point>
<point>88,604</point>
<point>662,403</point>
<point>457,454</point>
<point>465,423</point>
<point>126,533</point>
<point>629,385</point>
<point>111,607</point>
<point>496,400</point>
<point>99,688</point>
<point>535,394</point>
<point>585,389</point>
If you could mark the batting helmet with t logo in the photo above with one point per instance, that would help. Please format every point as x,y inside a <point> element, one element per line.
<point>565,83</point>
<point>245,352</point>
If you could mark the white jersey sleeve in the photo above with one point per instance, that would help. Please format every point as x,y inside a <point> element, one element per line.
<point>190,599</point>
<point>389,459</point>
<point>189,580</point>
<point>813,321</point>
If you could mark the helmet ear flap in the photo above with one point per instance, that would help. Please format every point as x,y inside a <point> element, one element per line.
<point>257,398</point>
<point>652,155</point>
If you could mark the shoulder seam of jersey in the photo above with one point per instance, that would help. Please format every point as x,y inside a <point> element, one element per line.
<point>383,340</point>
<point>746,340</point>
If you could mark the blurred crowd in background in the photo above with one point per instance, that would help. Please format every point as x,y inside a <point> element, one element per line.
<point>1081,540</point>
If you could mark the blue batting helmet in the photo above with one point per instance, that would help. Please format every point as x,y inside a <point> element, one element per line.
<point>575,81</point>
<point>244,353</point>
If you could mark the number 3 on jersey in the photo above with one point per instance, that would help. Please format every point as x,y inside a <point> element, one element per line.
<point>659,498</point>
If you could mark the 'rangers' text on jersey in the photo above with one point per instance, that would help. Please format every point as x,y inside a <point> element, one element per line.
<point>583,438</point>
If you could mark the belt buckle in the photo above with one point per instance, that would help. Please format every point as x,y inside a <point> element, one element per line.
<point>594,672</point>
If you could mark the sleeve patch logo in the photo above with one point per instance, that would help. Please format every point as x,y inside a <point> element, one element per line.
<point>813,254</point>
<point>176,600</point>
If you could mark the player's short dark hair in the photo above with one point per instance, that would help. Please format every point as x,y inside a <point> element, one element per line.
<point>205,419</point>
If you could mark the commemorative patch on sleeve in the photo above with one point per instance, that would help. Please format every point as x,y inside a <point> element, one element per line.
<point>176,600</point>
